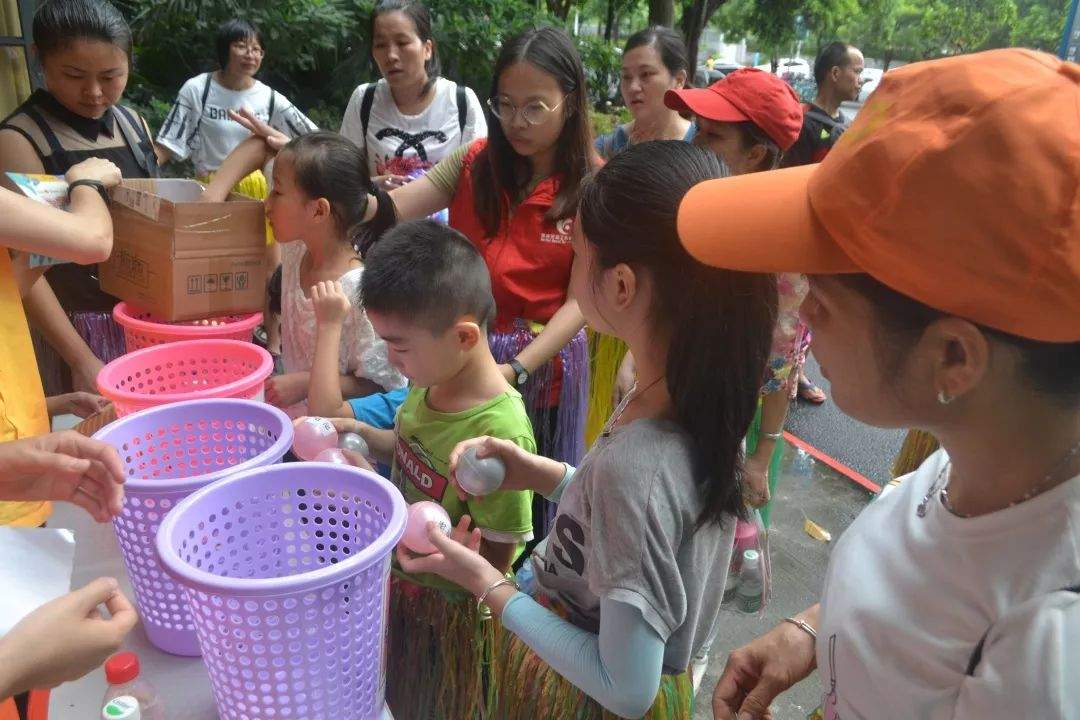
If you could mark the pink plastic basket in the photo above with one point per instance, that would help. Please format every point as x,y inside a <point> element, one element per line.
<point>168,452</point>
<point>141,329</point>
<point>188,370</point>
<point>285,569</point>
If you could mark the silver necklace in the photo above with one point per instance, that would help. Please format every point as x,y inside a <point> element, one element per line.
<point>630,396</point>
<point>941,486</point>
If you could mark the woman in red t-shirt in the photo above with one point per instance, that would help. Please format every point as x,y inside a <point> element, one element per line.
<point>515,196</point>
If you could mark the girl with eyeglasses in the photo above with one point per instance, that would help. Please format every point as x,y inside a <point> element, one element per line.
<point>514,195</point>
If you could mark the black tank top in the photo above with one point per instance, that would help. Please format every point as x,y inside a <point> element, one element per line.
<point>61,139</point>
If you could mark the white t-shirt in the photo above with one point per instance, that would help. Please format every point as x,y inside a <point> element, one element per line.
<point>206,134</point>
<point>907,600</point>
<point>362,353</point>
<point>411,144</point>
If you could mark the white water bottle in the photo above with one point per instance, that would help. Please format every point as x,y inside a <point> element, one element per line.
<point>122,673</point>
<point>748,595</point>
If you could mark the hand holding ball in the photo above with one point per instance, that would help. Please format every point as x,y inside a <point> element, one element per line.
<point>416,534</point>
<point>479,476</point>
<point>353,443</point>
<point>312,436</point>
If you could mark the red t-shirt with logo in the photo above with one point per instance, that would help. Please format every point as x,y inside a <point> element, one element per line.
<point>529,258</point>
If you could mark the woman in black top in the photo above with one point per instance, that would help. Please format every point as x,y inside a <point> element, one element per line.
<point>85,50</point>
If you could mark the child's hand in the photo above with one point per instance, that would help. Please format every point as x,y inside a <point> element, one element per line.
<point>274,139</point>
<point>330,302</point>
<point>82,404</point>
<point>65,639</point>
<point>457,558</point>
<point>286,390</point>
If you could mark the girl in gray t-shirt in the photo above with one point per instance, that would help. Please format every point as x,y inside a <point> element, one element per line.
<point>629,581</point>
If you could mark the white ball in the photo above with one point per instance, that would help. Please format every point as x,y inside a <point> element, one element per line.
<point>479,476</point>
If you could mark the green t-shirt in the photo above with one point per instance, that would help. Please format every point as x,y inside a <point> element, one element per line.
<point>425,438</point>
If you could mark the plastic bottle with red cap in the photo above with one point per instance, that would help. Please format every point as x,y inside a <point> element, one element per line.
<point>122,673</point>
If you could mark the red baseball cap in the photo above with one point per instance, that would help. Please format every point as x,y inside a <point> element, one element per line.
<point>955,186</point>
<point>746,95</point>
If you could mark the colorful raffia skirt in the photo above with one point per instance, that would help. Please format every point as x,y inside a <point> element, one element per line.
<point>558,419</point>
<point>438,654</point>
<point>606,354</point>
<point>529,689</point>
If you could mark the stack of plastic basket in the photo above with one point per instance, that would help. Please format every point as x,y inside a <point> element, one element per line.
<point>286,573</point>
<point>141,329</point>
<point>169,452</point>
<point>188,370</point>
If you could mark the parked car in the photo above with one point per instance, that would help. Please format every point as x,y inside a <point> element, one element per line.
<point>705,77</point>
<point>790,68</point>
<point>870,79</point>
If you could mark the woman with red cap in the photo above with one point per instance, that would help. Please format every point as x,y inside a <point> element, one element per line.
<point>943,245</point>
<point>750,119</point>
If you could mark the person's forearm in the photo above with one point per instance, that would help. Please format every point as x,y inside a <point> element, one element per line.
<point>248,157</point>
<point>10,684</point>
<point>324,386</point>
<point>620,668</point>
<point>84,235</point>
<point>46,314</point>
<point>563,326</point>
<point>774,409</point>
<point>380,443</point>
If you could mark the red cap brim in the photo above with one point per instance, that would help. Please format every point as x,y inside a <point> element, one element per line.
<point>704,103</point>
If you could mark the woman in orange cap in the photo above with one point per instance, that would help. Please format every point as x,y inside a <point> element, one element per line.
<point>750,119</point>
<point>945,295</point>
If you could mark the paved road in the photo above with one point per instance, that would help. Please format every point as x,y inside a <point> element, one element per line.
<point>806,489</point>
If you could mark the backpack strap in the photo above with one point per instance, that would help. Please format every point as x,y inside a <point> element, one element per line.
<point>273,102</point>
<point>976,654</point>
<point>365,108</point>
<point>134,132</point>
<point>462,109</point>
<point>822,117</point>
<point>202,109</point>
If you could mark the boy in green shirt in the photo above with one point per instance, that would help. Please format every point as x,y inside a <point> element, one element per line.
<point>427,293</point>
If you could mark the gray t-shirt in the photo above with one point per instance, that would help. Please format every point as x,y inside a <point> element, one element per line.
<point>625,530</point>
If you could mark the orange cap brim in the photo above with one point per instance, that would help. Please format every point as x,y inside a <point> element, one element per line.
<point>761,222</point>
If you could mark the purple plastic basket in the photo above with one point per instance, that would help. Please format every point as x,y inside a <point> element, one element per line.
<point>286,572</point>
<point>168,452</point>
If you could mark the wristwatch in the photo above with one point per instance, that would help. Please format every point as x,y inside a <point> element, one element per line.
<point>96,184</point>
<point>520,371</point>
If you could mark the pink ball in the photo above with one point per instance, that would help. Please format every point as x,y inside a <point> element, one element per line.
<point>416,535</point>
<point>312,436</point>
<point>332,455</point>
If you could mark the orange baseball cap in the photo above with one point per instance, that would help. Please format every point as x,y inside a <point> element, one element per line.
<point>957,185</point>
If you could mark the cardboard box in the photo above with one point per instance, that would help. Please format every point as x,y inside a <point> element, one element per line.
<point>181,259</point>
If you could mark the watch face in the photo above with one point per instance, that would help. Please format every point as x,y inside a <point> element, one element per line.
<point>522,378</point>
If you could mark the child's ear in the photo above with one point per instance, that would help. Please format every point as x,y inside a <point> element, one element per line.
<point>468,334</point>
<point>625,282</point>
<point>320,210</point>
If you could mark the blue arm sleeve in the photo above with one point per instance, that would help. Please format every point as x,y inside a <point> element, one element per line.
<point>568,477</point>
<point>619,668</point>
